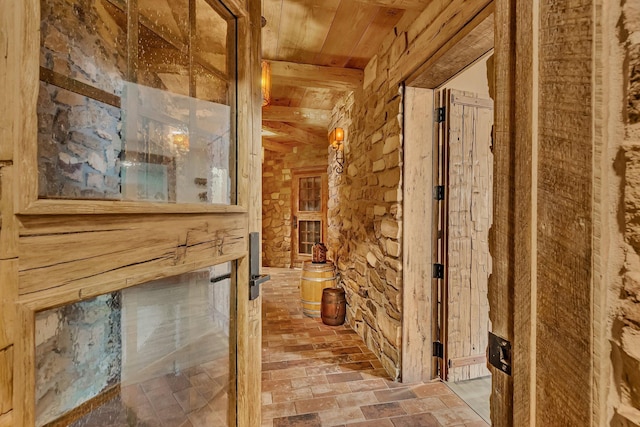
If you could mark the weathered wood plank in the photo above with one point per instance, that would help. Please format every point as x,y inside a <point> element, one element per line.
<point>501,234</point>
<point>24,385</point>
<point>468,360</point>
<point>6,379</point>
<point>450,21</point>
<point>293,132</point>
<point>296,115</point>
<point>399,4</point>
<point>299,43</point>
<point>375,33</point>
<point>309,75</point>
<point>276,146</point>
<point>417,304</point>
<point>249,313</point>
<point>8,295</point>
<point>126,250</point>
<point>350,22</point>
<point>22,78</point>
<point>75,86</point>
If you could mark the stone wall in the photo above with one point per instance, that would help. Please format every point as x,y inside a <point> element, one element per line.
<point>78,138</point>
<point>365,211</point>
<point>277,172</point>
<point>626,326</point>
<point>78,354</point>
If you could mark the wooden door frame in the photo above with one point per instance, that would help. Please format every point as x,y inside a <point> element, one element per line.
<point>475,40</point>
<point>301,173</point>
<point>28,222</point>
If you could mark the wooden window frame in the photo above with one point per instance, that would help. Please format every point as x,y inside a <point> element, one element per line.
<point>26,152</point>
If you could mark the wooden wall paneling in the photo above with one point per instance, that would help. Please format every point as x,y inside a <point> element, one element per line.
<point>501,243</point>
<point>446,24</point>
<point>525,105</point>
<point>417,260</point>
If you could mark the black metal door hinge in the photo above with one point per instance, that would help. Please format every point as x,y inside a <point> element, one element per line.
<point>438,349</point>
<point>438,192</point>
<point>440,114</point>
<point>438,271</point>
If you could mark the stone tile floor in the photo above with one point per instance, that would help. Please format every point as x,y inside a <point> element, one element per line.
<point>192,398</point>
<point>318,375</point>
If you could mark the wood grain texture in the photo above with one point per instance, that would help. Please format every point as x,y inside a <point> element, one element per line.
<point>400,4</point>
<point>501,243</point>
<point>417,304</point>
<point>350,22</point>
<point>526,100</point>
<point>8,295</point>
<point>469,218</point>
<point>310,116</point>
<point>309,75</point>
<point>249,315</point>
<point>469,44</point>
<point>129,247</point>
<point>6,380</point>
<point>444,26</point>
<point>6,420</point>
<point>565,230</point>
<point>22,77</point>
<point>24,385</point>
<point>294,133</point>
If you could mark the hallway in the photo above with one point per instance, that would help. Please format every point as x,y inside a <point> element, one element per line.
<point>318,375</point>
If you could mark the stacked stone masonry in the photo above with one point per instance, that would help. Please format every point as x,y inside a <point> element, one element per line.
<point>79,138</point>
<point>365,210</point>
<point>277,173</point>
<point>626,325</point>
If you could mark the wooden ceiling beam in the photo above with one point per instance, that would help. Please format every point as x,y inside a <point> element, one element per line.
<point>292,132</point>
<point>271,145</point>
<point>308,116</point>
<point>317,76</point>
<point>399,4</point>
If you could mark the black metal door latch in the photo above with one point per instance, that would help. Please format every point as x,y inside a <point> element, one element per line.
<point>255,278</point>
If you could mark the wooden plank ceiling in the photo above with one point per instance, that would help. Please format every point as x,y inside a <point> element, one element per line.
<point>317,50</point>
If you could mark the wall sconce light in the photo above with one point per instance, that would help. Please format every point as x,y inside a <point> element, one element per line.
<point>266,83</point>
<point>336,137</point>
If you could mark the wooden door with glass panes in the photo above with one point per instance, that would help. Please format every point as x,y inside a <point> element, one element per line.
<point>309,213</point>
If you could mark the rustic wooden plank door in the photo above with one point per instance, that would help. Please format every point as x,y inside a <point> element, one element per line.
<point>309,210</point>
<point>466,219</point>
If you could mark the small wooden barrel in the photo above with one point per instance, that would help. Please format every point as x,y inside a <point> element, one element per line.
<point>333,307</point>
<point>315,278</point>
